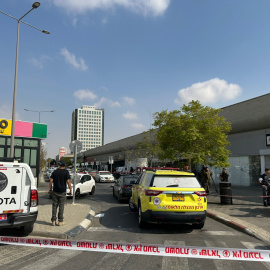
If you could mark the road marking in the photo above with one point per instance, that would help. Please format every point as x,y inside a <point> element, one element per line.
<point>174,263</point>
<point>222,264</point>
<point>100,215</point>
<point>220,232</point>
<point>252,245</point>
<point>120,229</point>
<point>53,260</point>
<point>112,261</point>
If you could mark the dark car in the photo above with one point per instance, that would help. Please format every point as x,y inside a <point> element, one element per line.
<point>122,188</point>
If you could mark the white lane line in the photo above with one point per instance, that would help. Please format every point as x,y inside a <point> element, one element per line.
<point>222,264</point>
<point>53,260</point>
<point>173,263</point>
<point>112,261</point>
<point>253,245</point>
<point>12,253</point>
<point>120,229</point>
<point>220,233</point>
<point>100,215</point>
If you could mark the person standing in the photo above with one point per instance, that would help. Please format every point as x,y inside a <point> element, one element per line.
<point>224,176</point>
<point>207,180</point>
<point>265,183</point>
<point>57,189</point>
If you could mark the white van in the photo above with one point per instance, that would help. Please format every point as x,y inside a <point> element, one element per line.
<point>18,197</point>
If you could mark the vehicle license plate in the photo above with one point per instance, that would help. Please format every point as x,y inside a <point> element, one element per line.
<point>3,217</point>
<point>178,197</point>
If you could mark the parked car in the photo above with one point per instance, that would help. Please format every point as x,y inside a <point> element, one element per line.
<point>93,172</point>
<point>84,184</point>
<point>122,187</point>
<point>167,196</point>
<point>18,197</point>
<point>104,176</point>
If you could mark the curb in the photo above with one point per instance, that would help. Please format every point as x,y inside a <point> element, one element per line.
<point>234,225</point>
<point>84,225</point>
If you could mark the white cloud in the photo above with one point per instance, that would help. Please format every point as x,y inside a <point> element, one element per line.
<point>209,92</point>
<point>115,104</point>
<point>129,101</point>
<point>72,60</point>
<point>144,7</point>
<point>39,62</point>
<point>101,102</point>
<point>105,101</point>
<point>84,94</point>
<point>130,116</point>
<point>138,126</point>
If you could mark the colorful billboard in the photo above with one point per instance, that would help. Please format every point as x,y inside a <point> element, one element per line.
<point>23,129</point>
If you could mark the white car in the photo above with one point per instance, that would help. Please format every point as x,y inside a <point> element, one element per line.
<point>84,184</point>
<point>104,176</point>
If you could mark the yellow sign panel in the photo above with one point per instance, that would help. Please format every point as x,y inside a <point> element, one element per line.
<point>5,127</point>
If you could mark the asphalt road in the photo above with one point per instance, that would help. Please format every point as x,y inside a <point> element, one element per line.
<point>115,223</point>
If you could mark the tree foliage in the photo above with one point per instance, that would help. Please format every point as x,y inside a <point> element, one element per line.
<point>194,132</point>
<point>67,160</point>
<point>42,160</point>
<point>148,147</point>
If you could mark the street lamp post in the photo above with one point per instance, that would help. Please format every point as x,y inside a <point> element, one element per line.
<point>34,6</point>
<point>38,113</point>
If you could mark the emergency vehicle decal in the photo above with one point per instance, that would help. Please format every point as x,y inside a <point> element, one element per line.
<point>156,201</point>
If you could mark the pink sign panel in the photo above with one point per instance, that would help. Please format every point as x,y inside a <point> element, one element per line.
<point>23,129</point>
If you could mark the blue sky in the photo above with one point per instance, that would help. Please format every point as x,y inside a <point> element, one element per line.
<point>131,57</point>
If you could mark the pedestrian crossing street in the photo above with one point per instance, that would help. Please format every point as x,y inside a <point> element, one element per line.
<point>25,258</point>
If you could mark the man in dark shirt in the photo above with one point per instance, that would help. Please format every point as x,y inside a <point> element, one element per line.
<point>59,180</point>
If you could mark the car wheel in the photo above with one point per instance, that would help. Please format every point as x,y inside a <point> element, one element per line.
<point>27,229</point>
<point>142,223</point>
<point>119,198</point>
<point>77,193</point>
<point>113,192</point>
<point>93,190</point>
<point>198,226</point>
<point>131,205</point>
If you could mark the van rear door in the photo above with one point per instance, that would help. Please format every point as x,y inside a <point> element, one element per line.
<point>11,185</point>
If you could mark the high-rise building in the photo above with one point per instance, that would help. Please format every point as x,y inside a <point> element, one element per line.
<point>88,127</point>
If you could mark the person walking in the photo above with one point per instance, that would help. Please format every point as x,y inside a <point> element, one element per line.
<point>265,183</point>
<point>57,189</point>
<point>224,176</point>
<point>207,179</point>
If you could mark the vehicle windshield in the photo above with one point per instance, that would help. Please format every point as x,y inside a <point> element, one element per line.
<point>105,173</point>
<point>129,180</point>
<point>175,181</point>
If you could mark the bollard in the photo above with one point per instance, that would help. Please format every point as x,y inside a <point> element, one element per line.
<point>225,189</point>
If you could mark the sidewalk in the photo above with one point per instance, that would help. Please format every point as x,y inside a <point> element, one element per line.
<point>77,217</point>
<point>246,214</point>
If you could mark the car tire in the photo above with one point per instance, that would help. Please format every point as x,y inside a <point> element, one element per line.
<point>119,198</point>
<point>198,226</point>
<point>142,223</point>
<point>77,193</point>
<point>131,205</point>
<point>93,190</point>
<point>27,229</point>
<point>113,193</point>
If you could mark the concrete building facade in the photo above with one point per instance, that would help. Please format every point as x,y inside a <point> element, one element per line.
<point>88,127</point>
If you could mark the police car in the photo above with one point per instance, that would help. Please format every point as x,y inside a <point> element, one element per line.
<point>18,197</point>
